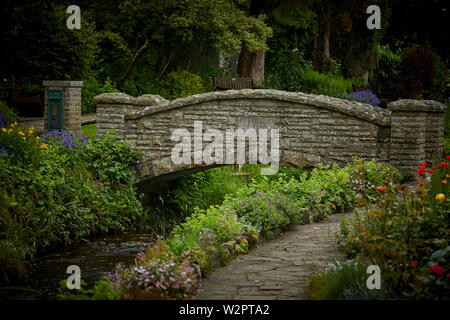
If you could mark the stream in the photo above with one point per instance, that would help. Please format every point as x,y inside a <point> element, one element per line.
<point>96,258</point>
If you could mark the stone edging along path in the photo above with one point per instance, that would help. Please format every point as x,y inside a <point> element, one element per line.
<point>278,269</point>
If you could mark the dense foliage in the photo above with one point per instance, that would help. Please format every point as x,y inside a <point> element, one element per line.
<point>57,188</point>
<point>173,48</point>
<point>261,207</point>
<point>403,230</point>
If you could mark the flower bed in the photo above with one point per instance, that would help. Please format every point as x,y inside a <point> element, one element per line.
<point>172,268</point>
<point>56,188</point>
<point>406,233</point>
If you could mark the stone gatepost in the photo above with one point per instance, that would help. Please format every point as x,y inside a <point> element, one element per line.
<point>64,98</point>
<point>112,109</point>
<point>417,132</point>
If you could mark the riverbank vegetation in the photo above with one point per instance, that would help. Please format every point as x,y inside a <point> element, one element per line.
<point>260,208</point>
<point>59,187</point>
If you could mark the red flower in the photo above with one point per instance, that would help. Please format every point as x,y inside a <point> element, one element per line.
<point>430,171</point>
<point>413,264</point>
<point>447,157</point>
<point>444,164</point>
<point>424,164</point>
<point>437,270</point>
<point>421,170</point>
<point>380,188</point>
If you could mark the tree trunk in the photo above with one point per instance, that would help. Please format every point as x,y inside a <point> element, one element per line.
<point>132,65</point>
<point>316,53</point>
<point>251,64</point>
<point>165,63</point>
<point>326,32</point>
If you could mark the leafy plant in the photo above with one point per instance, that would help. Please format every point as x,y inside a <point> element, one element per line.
<point>341,280</point>
<point>402,232</point>
<point>179,84</point>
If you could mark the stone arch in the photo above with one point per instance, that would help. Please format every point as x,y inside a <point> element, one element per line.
<point>313,129</point>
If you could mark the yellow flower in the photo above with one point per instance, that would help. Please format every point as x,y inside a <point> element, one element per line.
<point>44,146</point>
<point>21,133</point>
<point>37,137</point>
<point>30,130</point>
<point>4,130</point>
<point>440,197</point>
<point>10,130</point>
<point>24,138</point>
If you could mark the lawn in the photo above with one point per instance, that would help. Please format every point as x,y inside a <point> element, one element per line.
<point>89,130</point>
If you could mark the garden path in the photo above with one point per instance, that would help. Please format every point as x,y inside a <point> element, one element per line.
<point>278,269</point>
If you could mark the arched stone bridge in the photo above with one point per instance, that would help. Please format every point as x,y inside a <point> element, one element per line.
<point>312,129</point>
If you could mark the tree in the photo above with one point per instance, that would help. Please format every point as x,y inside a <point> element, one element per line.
<point>38,45</point>
<point>176,27</point>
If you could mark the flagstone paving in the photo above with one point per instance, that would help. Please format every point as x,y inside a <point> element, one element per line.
<point>278,269</point>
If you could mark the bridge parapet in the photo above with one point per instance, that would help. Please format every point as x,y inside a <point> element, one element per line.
<point>312,128</point>
<point>417,132</point>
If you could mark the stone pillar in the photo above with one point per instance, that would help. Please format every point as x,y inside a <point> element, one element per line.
<point>417,132</point>
<point>112,109</point>
<point>71,103</point>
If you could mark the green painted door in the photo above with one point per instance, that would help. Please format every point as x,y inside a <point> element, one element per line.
<point>55,108</point>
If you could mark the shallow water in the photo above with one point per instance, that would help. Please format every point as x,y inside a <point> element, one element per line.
<point>96,258</point>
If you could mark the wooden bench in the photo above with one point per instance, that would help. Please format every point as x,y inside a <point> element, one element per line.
<point>227,83</point>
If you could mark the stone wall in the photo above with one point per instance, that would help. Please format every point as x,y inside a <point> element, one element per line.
<point>417,132</point>
<point>313,129</point>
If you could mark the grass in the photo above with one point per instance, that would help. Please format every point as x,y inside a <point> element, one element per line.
<point>90,131</point>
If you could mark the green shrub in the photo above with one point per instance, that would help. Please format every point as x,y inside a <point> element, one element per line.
<point>20,145</point>
<point>178,84</point>
<point>325,84</point>
<point>406,234</point>
<point>91,88</point>
<point>222,221</point>
<point>345,280</point>
<point>77,188</point>
<point>388,62</point>
<point>268,211</point>
<point>285,70</point>
<point>7,115</point>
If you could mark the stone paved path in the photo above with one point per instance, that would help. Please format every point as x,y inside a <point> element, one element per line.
<point>277,269</point>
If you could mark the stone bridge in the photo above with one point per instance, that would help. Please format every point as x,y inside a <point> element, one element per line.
<point>312,129</point>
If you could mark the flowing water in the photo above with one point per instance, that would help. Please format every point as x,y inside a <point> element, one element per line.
<point>96,259</point>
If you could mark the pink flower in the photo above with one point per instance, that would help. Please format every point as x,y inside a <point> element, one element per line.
<point>413,264</point>
<point>381,188</point>
<point>437,270</point>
